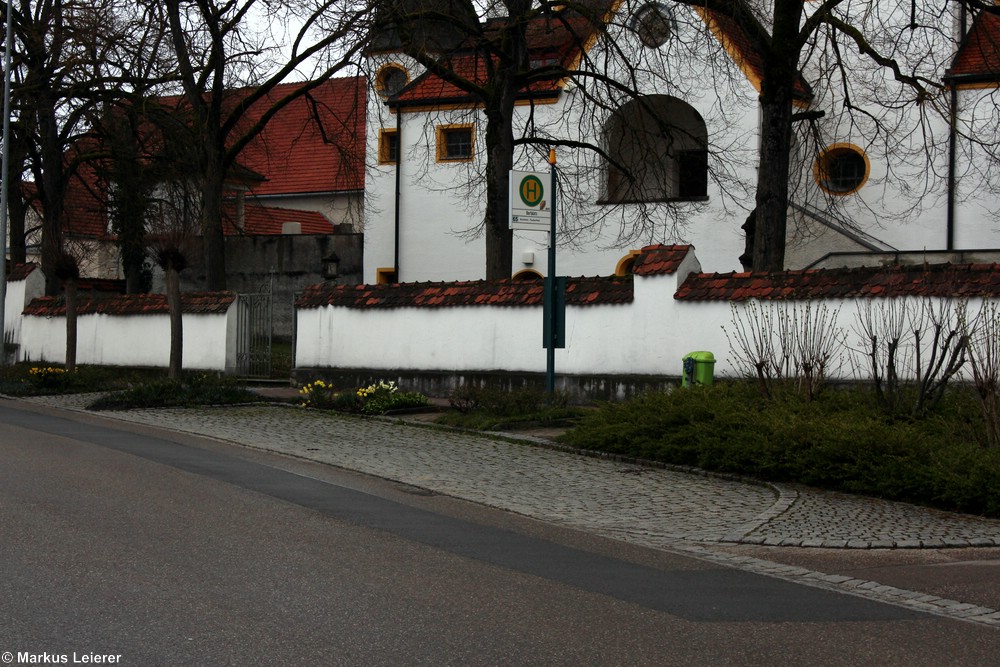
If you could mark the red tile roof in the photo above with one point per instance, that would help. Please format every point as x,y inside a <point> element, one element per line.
<point>979,55</point>
<point>134,304</point>
<point>265,220</point>
<point>739,38</point>
<point>659,259</point>
<point>549,39</point>
<point>579,292</point>
<point>937,280</point>
<point>315,144</point>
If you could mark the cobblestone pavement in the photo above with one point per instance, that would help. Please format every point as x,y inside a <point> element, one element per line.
<point>654,507</point>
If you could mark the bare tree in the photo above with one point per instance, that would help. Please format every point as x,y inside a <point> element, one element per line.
<point>878,71</point>
<point>173,218</point>
<point>68,65</point>
<point>229,64</point>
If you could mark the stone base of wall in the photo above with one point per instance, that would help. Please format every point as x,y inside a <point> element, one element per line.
<point>440,384</point>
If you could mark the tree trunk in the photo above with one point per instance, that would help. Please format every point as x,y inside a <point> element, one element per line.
<point>499,111</point>
<point>18,242</point>
<point>176,322</point>
<point>772,186</point>
<point>776,95</point>
<point>52,193</point>
<point>213,237</point>
<point>499,236</point>
<point>71,303</point>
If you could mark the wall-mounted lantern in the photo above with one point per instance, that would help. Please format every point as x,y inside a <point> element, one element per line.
<point>331,266</point>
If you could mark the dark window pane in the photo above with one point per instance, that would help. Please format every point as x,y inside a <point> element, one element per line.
<point>458,143</point>
<point>843,170</point>
<point>692,169</point>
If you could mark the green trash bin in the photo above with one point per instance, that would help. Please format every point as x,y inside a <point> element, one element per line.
<point>699,369</point>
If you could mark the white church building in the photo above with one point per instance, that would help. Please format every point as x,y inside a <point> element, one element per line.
<point>880,174</point>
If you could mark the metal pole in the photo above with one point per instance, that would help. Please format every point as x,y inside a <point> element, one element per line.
<point>5,183</point>
<point>550,365</point>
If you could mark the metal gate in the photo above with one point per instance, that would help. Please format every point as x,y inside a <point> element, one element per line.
<point>253,335</point>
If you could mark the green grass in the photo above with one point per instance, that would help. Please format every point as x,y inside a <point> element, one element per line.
<point>838,442</point>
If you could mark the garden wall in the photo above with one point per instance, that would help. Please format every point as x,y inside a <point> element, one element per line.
<point>640,325</point>
<point>24,283</point>
<point>133,330</point>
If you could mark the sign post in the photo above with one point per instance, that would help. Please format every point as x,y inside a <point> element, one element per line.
<point>532,209</point>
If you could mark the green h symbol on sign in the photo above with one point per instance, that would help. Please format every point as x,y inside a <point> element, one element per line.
<point>531,190</point>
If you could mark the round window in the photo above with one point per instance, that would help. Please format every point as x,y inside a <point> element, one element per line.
<point>654,24</point>
<point>391,80</point>
<point>841,169</point>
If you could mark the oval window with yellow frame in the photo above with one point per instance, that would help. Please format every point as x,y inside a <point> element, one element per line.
<point>841,169</point>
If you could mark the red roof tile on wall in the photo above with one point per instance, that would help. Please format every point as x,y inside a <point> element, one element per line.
<point>936,280</point>
<point>20,271</point>
<point>659,258</point>
<point>134,304</point>
<point>513,293</point>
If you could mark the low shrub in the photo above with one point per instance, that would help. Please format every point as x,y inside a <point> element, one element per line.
<point>197,390</point>
<point>493,408</point>
<point>839,441</point>
<point>27,379</point>
<point>50,378</point>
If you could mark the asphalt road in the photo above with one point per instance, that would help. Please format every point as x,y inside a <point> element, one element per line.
<point>166,549</point>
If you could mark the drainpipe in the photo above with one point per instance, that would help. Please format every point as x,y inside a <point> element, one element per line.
<point>952,149</point>
<point>953,141</point>
<point>399,177</point>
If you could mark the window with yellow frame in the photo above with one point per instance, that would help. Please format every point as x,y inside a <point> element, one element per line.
<point>388,146</point>
<point>841,169</point>
<point>391,79</point>
<point>455,143</point>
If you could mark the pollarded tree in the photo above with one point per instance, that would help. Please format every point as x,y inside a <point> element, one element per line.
<point>172,219</point>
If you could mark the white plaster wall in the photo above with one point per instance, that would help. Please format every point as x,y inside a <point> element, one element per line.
<point>649,336</point>
<point>13,305</point>
<point>137,340</point>
<point>19,294</point>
